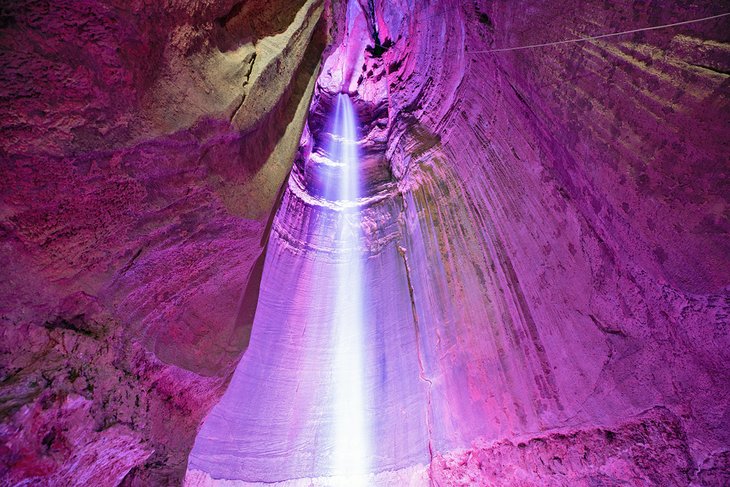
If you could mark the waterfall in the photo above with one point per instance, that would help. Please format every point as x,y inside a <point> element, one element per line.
<point>351,439</point>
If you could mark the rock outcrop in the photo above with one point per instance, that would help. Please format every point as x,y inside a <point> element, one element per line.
<point>143,146</point>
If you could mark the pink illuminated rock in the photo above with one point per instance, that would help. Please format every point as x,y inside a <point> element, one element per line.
<point>142,148</point>
<point>537,210</point>
<point>97,456</point>
<point>543,298</point>
<point>648,450</point>
<point>545,233</point>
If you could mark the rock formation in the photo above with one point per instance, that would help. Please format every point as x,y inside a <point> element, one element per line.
<point>143,147</point>
<point>546,232</point>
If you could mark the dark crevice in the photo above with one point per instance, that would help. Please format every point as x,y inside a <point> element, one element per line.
<point>606,329</point>
<point>421,368</point>
<point>250,60</point>
<point>131,262</point>
<point>712,69</point>
<point>484,19</point>
<point>75,324</point>
<point>379,49</point>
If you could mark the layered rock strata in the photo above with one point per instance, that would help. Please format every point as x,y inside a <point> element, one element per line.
<point>143,146</point>
<point>542,190</point>
<point>546,232</point>
<point>532,199</point>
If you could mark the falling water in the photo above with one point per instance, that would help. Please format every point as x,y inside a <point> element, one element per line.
<point>329,387</point>
<point>351,441</point>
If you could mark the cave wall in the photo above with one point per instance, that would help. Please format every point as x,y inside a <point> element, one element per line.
<point>556,340</point>
<point>557,218</point>
<point>143,147</point>
<point>566,225</point>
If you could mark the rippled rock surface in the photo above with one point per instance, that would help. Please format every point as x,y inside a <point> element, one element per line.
<point>556,278</point>
<point>546,233</point>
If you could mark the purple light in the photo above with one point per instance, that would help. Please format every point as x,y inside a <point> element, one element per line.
<point>329,387</point>
<point>297,403</point>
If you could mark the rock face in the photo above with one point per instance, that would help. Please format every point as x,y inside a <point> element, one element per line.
<point>545,208</point>
<point>592,456</point>
<point>545,235</point>
<point>518,212</point>
<point>143,146</point>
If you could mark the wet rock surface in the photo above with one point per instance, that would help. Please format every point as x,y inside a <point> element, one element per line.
<point>548,227</point>
<point>534,187</point>
<point>514,220</point>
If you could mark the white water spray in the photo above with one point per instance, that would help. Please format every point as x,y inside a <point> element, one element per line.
<point>351,438</point>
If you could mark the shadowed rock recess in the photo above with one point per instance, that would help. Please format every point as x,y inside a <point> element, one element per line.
<point>543,231</point>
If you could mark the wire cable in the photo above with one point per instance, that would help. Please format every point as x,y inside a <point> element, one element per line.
<point>602,36</point>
